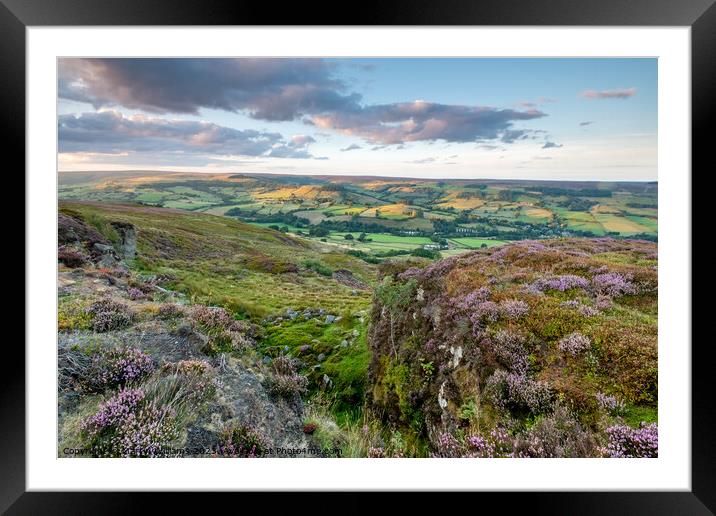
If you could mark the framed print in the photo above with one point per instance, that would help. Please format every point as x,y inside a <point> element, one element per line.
<point>442,249</point>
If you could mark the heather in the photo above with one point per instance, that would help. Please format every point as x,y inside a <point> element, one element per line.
<point>147,419</point>
<point>627,442</point>
<point>241,441</point>
<point>210,338</point>
<point>108,314</point>
<point>535,349</point>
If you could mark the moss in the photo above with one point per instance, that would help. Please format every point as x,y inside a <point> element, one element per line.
<point>634,415</point>
<point>72,314</point>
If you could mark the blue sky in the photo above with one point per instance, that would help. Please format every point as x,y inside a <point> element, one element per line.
<point>582,119</point>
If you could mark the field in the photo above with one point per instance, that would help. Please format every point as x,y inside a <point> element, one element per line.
<point>395,215</point>
<point>308,333</point>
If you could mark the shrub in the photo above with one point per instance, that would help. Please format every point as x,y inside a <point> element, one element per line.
<point>561,283</point>
<point>514,308</point>
<point>170,311</point>
<point>627,442</point>
<point>225,333</point>
<point>574,343</point>
<point>130,425</point>
<point>238,440</point>
<point>284,380</point>
<point>376,452</point>
<point>556,435</point>
<point>509,348</point>
<point>119,366</point>
<point>318,267</point>
<point>585,310</point>
<point>135,294</point>
<point>612,284</point>
<point>72,314</point>
<point>515,391</point>
<point>109,315</point>
<point>71,257</point>
<point>610,403</point>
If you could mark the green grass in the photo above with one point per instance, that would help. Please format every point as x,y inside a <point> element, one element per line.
<point>221,261</point>
<point>634,415</point>
<point>476,243</point>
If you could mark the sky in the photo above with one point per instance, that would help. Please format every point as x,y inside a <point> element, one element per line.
<point>501,118</point>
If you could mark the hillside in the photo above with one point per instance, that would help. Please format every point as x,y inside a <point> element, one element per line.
<point>394,215</point>
<point>219,337</point>
<point>533,349</point>
<point>222,261</point>
<point>186,334</point>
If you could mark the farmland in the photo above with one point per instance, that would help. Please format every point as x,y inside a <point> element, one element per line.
<point>393,215</point>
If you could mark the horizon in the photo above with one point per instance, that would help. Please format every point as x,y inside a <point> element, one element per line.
<point>356,176</point>
<point>544,119</point>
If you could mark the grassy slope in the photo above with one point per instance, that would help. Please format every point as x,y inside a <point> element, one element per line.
<point>221,261</point>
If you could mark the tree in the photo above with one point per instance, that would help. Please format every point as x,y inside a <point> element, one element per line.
<point>361,237</point>
<point>348,236</point>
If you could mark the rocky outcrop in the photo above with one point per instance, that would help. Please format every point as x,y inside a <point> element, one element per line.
<point>127,239</point>
<point>496,338</point>
<point>347,278</point>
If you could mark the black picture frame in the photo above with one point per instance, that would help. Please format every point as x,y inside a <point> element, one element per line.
<point>700,15</point>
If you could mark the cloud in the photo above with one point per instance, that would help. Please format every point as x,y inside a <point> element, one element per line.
<point>110,132</point>
<point>425,121</point>
<point>530,104</point>
<point>267,89</point>
<point>586,123</point>
<point>301,140</point>
<point>511,136</point>
<point>279,90</point>
<point>422,161</point>
<point>351,147</point>
<point>551,145</point>
<point>619,93</point>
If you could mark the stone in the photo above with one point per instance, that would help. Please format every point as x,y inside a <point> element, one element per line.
<point>103,248</point>
<point>330,319</point>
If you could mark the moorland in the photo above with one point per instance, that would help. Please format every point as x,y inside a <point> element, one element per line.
<point>266,315</point>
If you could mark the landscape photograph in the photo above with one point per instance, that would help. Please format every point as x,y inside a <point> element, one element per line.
<point>357,258</point>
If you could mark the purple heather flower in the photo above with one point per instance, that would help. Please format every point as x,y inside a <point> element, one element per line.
<point>613,284</point>
<point>627,442</point>
<point>610,403</point>
<point>574,343</point>
<point>561,283</point>
<point>514,308</point>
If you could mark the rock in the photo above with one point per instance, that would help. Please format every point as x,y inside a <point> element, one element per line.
<point>304,349</point>
<point>338,319</point>
<point>195,340</point>
<point>103,248</point>
<point>344,343</point>
<point>330,319</point>
<point>107,261</point>
<point>291,314</point>
<point>127,239</point>
<point>321,357</point>
<point>346,277</point>
<point>266,360</point>
<point>354,292</point>
<point>355,333</point>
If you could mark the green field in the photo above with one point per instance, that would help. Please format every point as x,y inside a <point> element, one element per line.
<point>395,214</point>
